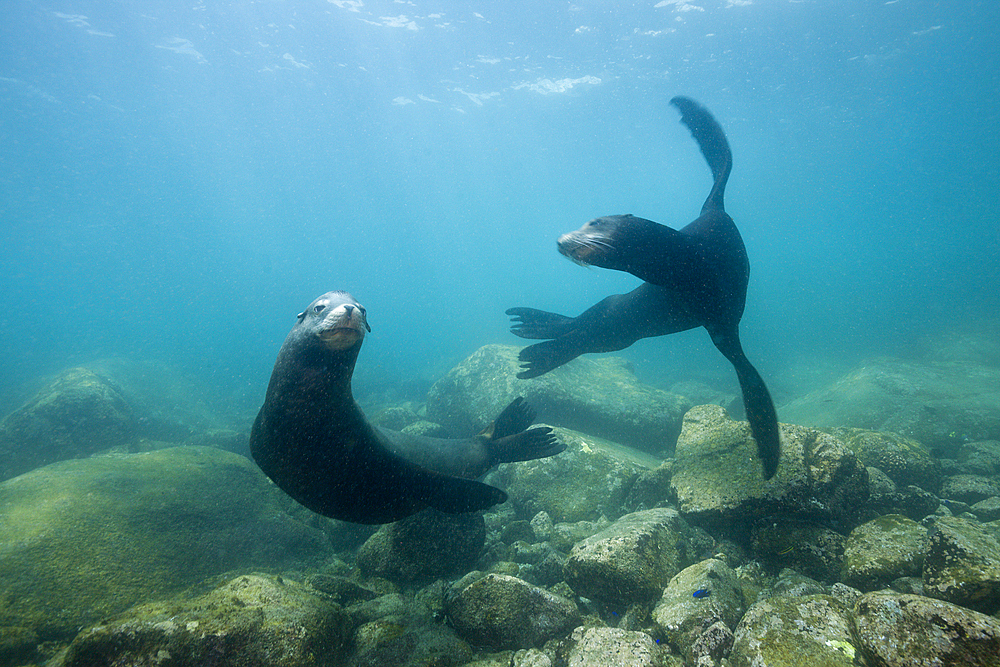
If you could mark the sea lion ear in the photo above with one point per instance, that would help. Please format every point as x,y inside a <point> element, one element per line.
<point>301,316</point>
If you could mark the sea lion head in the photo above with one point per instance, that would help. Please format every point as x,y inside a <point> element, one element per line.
<point>337,319</point>
<point>599,242</point>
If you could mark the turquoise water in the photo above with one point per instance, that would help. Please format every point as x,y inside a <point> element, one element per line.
<point>178,180</point>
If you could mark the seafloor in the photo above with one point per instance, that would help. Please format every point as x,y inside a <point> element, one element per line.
<point>135,530</point>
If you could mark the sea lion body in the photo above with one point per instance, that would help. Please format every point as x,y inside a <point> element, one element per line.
<point>695,276</point>
<point>313,440</point>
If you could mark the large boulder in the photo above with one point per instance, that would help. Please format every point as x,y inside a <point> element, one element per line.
<point>600,647</point>
<point>505,612</point>
<point>718,481</point>
<point>939,403</point>
<point>426,545</point>
<point>882,550</point>
<point>896,630</point>
<point>250,620</point>
<point>695,599</point>
<point>601,397</point>
<point>590,479</point>
<point>88,538</point>
<point>962,564</point>
<point>904,460</point>
<point>75,415</point>
<point>792,631</point>
<point>631,560</point>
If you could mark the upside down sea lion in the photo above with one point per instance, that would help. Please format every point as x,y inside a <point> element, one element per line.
<point>312,439</point>
<point>695,276</point>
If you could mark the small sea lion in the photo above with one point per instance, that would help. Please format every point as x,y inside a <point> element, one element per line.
<point>695,276</point>
<point>312,439</point>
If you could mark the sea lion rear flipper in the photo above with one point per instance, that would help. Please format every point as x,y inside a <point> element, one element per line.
<point>515,418</point>
<point>757,401</point>
<point>538,324</point>
<point>536,443</point>
<point>714,146</point>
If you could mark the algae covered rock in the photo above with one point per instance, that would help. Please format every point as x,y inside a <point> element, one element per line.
<point>425,545</point>
<point>631,560</point>
<point>904,460</point>
<point>718,481</point>
<point>396,631</point>
<point>815,551</point>
<point>938,403</point>
<point>601,397</point>
<point>599,647</point>
<point>590,479</point>
<point>505,612</point>
<point>896,630</point>
<point>684,615</point>
<point>75,415</point>
<point>792,631</point>
<point>962,564</point>
<point>250,620</point>
<point>882,550</point>
<point>84,539</point>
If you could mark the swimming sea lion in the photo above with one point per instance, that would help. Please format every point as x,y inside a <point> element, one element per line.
<point>696,276</point>
<point>313,440</point>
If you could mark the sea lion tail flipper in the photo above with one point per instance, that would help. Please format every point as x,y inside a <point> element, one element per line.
<point>757,401</point>
<point>515,418</point>
<point>714,146</point>
<point>538,324</point>
<point>536,443</point>
<point>540,358</point>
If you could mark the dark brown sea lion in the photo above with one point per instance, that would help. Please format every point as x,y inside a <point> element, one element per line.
<point>695,276</point>
<point>313,440</point>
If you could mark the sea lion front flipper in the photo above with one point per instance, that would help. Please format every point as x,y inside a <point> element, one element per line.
<point>756,399</point>
<point>455,495</point>
<point>540,358</point>
<point>538,324</point>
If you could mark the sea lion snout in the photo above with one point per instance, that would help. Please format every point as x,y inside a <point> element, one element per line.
<point>585,245</point>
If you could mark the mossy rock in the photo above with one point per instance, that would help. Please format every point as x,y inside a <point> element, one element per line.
<point>83,539</point>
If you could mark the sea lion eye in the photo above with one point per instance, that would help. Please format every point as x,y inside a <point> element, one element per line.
<point>319,307</point>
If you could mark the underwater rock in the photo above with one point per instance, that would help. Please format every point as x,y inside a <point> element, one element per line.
<point>883,550</point>
<point>988,509</point>
<point>815,551</point>
<point>969,489</point>
<point>904,460</point>
<point>505,612</point>
<point>981,458</point>
<point>601,397</point>
<point>253,619</point>
<point>590,479</point>
<point>713,644</point>
<point>395,418</point>
<point>169,406</point>
<point>75,415</point>
<point>425,545</point>
<point>792,631</point>
<point>896,630</point>
<point>962,564</point>
<point>939,403</point>
<point>600,647</point>
<point>341,590</point>
<point>791,583</point>
<point>631,560</point>
<point>718,481</point>
<point>84,539</point>
<point>407,640</point>
<point>683,617</point>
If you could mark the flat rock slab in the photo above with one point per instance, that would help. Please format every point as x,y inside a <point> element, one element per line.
<point>601,397</point>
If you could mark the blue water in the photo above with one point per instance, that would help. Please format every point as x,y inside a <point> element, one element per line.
<point>179,179</point>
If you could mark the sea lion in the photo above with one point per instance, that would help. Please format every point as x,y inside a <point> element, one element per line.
<point>695,276</point>
<point>312,439</point>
